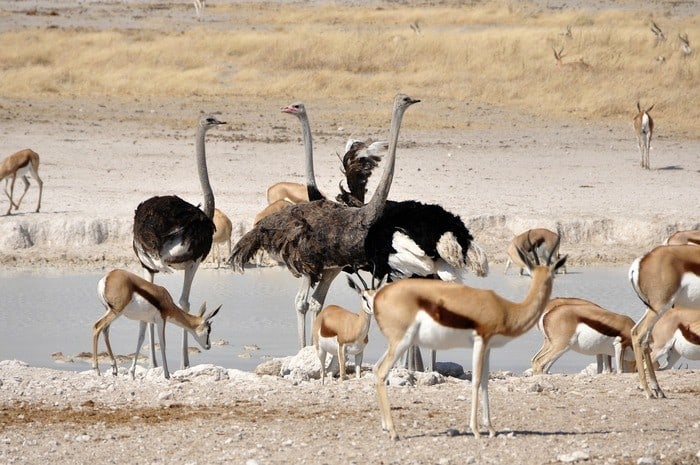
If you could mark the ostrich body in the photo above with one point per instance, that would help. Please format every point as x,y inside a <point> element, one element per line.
<point>317,239</point>
<point>171,234</point>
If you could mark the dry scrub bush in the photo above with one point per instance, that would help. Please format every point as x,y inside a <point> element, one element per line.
<point>499,53</point>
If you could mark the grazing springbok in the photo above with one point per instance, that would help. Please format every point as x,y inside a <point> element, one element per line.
<point>586,328</point>
<point>444,315</point>
<point>676,335</point>
<point>124,293</point>
<point>341,332</point>
<point>579,65</point>
<point>538,241</point>
<point>667,276</point>
<point>292,192</point>
<point>643,128</point>
<point>222,235</point>
<point>688,237</point>
<point>21,164</point>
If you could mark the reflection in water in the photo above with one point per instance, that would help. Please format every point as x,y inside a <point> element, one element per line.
<point>44,314</point>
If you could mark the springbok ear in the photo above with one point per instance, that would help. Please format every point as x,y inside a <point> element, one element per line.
<point>212,314</point>
<point>202,309</point>
<point>560,263</point>
<point>353,285</point>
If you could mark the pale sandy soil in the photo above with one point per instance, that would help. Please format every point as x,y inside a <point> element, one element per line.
<point>506,173</point>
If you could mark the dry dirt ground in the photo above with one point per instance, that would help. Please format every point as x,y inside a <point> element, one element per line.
<point>508,172</point>
<point>210,415</point>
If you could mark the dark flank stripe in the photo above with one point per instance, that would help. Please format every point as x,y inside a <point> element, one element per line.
<point>692,337</point>
<point>445,317</point>
<point>601,327</point>
<point>150,298</point>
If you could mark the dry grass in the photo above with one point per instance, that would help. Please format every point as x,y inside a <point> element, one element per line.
<point>498,53</point>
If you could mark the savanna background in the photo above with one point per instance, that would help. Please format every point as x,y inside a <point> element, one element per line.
<point>499,52</point>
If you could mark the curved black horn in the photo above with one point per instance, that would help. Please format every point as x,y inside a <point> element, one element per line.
<point>357,273</point>
<point>555,247</point>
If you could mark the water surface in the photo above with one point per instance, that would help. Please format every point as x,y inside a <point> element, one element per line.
<point>44,314</point>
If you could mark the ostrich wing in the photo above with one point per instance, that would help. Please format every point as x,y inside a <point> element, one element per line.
<point>172,231</point>
<point>308,237</point>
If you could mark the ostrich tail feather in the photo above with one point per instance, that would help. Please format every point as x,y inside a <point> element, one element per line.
<point>245,250</point>
<point>477,260</point>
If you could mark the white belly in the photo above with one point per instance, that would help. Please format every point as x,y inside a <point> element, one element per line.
<point>685,348</point>
<point>330,345</point>
<point>432,335</point>
<point>588,341</point>
<point>689,293</point>
<point>139,309</point>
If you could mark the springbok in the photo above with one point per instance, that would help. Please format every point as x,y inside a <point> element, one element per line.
<point>21,164</point>
<point>676,335</point>
<point>688,237</point>
<point>586,328</point>
<point>222,235</point>
<point>579,65</point>
<point>341,332</point>
<point>124,293</point>
<point>443,315</point>
<point>643,128</point>
<point>669,275</point>
<point>538,241</point>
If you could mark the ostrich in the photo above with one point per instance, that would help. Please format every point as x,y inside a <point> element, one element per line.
<point>170,233</point>
<point>410,239</point>
<point>318,238</point>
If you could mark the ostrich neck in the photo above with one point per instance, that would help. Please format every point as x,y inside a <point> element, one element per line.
<point>204,174</point>
<point>375,207</point>
<point>311,188</point>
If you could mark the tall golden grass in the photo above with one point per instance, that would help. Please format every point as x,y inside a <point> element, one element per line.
<point>497,53</point>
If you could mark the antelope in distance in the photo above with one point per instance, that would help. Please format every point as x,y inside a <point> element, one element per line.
<point>579,65</point>
<point>124,294</point>
<point>341,332</point>
<point>21,164</point>
<point>644,128</point>
<point>443,315</point>
<point>667,276</point>
<point>539,241</point>
<point>586,328</point>
<point>676,335</point>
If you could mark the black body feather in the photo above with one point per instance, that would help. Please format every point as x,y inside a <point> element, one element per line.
<point>423,223</point>
<point>165,218</point>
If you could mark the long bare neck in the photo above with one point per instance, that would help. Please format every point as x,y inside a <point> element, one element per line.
<point>207,191</point>
<point>375,207</point>
<point>528,312</point>
<point>311,188</point>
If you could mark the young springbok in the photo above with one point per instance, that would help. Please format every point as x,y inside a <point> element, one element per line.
<point>643,128</point>
<point>676,335</point>
<point>21,164</point>
<point>667,276</point>
<point>443,315</point>
<point>538,241</point>
<point>586,328</point>
<point>124,293</point>
<point>341,332</point>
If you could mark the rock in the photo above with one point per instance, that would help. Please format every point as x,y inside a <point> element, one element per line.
<point>202,373</point>
<point>452,369</point>
<point>576,456</point>
<point>303,366</point>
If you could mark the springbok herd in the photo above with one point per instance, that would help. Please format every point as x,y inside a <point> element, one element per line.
<point>316,238</point>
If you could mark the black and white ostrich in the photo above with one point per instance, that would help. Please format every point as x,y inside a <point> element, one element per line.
<point>171,234</point>
<point>413,239</point>
<point>317,239</point>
